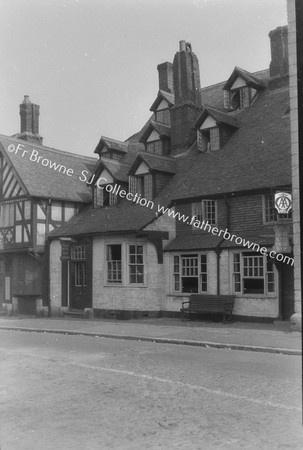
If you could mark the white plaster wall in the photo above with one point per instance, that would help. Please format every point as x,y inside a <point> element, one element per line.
<point>127,297</point>
<point>55,275</point>
<point>257,307</point>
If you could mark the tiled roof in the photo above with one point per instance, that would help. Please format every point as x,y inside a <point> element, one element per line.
<point>213,95</point>
<point>112,144</point>
<point>257,155</point>
<point>118,169</point>
<point>198,241</point>
<point>162,129</point>
<point>154,162</point>
<point>123,218</point>
<point>43,181</point>
<point>162,95</point>
<point>219,116</point>
<point>251,79</point>
<point>193,242</point>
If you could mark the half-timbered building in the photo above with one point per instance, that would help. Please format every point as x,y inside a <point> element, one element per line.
<point>40,189</point>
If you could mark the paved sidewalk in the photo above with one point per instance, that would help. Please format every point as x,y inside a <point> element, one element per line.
<point>238,335</point>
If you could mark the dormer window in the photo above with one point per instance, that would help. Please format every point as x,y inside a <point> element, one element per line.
<point>103,196</point>
<point>157,144</point>
<point>239,98</point>
<point>208,135</point>
<point>209,139</point>
<point>162,113</point>
<point>154,147</point>
<point>240,89</point>
<point>142,185</point>
<point>163,116</point>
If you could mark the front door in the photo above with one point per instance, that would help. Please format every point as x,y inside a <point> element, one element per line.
<point>287,291</point>
<point>80,276</point>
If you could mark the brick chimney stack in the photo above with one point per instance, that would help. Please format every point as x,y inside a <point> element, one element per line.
<point>29,114</point>
<point>166,77</point>
<point>187,106</point>
<point>279,52</point>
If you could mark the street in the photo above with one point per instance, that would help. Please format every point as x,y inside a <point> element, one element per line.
<point>75,392</point>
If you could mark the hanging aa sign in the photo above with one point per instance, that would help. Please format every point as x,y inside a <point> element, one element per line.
<point>283,202</point>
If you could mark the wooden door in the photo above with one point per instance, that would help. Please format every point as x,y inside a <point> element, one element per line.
<point>80,276</point>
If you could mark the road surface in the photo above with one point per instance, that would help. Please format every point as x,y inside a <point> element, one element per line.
<point>62,392</point>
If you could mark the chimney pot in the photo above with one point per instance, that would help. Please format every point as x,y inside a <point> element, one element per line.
<point>182,45</point>
<point>166,77</point>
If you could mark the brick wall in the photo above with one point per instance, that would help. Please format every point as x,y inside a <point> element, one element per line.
<point>246,215</point>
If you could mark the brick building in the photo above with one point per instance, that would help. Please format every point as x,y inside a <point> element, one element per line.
<point>214,156</point>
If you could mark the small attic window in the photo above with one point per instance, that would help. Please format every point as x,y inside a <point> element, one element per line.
<point>208,139</point>
<point>103,197</point>
<point>163,116</point>
<point>157,144</point>
<point>162,113</point>
<point>239,98</point>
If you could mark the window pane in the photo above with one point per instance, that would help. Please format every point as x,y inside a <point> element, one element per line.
<point>114,264</point>
<point>78,252</point>
<point>209,211</point>
<point>136,266</point>
<point>253,285</point>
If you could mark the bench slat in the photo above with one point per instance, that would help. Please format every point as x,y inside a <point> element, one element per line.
<point>209,303</point>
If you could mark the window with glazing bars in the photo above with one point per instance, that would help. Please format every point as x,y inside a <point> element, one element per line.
<point>136,264</point>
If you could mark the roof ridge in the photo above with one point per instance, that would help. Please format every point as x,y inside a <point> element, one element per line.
<point>45,147</point>
<point>224,81</point>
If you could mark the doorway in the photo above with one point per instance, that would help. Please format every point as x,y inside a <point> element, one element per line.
<point>80,276</point>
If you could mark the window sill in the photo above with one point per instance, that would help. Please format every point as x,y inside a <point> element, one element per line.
<point>121,285</point>
<point>264,296</point>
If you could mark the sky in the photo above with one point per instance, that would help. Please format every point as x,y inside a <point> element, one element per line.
<point>91,65</point>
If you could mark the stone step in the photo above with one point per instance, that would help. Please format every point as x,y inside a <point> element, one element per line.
<point>74,313</point>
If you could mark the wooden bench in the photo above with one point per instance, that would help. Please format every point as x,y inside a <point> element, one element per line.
<point>209,304</point>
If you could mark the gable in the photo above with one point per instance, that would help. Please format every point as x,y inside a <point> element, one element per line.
<point>105,178</point>
<point>209,122</point>
<point>154,136</point>
<point>163,105</point>
<point>142,169</point>
<point>240,82</point>
<point>10,187</point>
